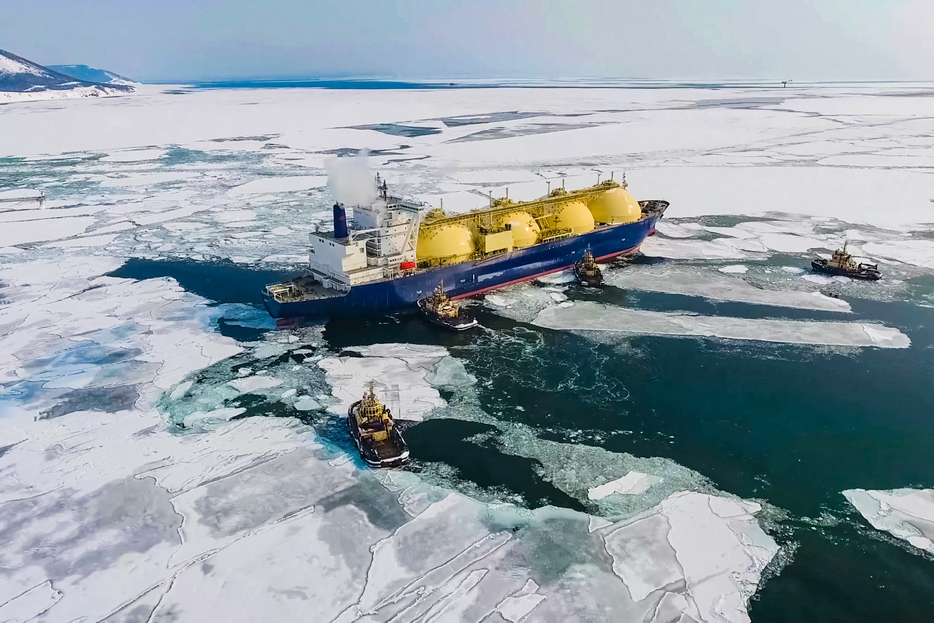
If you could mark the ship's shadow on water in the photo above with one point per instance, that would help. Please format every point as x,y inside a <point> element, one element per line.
<point>218,281</point>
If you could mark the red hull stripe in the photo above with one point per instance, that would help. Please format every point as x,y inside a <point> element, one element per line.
<point>547,272</point>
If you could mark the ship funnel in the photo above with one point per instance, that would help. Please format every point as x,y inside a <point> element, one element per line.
<point>340,221</point>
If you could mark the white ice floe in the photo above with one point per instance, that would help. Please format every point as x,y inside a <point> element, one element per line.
<point>826,279</point>
<point>499,301</point>
<point>586,316</point>
<point>41,230</point>
<point>690,249</point>
<point>679,230</point>
<point>851,194</point>
<point>223,414</point>
<point>734,269</point>
<point>713,544</point>
<point>30,604</point>
<point>135,155</point>
<point>306,403</point>
<point>252,383</point>
<point>495,176</point>
<point>518,605</point>
<point>632,483</point>
<point>145,179</point>
<point>789,243</point>
<point>85,241</point>
<point>907,514</point>
<point>279,185</point>
<point>17,195</point>
<point>455,203</point>
<point>915,252</point>
<point>405,376</point>
<point>719,288</point>
<point>563,276</point>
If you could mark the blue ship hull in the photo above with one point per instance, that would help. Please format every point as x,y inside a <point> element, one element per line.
<point>473,277</point>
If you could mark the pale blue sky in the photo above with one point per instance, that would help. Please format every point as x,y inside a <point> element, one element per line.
<point>411,39</point>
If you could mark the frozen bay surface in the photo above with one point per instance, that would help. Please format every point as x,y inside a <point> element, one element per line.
<point>140,472</point>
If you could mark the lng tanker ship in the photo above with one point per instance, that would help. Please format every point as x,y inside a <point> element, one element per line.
<point>397,252</point>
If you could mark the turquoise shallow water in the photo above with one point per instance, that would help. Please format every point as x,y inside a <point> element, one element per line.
<point>791,426</point>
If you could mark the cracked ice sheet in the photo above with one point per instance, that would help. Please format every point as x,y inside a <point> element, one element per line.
<point>586,316</point>
<point>632,483</point>
<point>916,252</point>
<point>139,155</point>
<point>710,546</point>
<point>30,604</point>
<point>346,547</point>
<point>692,283</point>
<point>405,376</point>
<point>102,508</point>
<point>690,249</point>
<point>66,326</point>
<point>249,517</point>
<point>279,184</point>
<point>41,230</point>
<point>907,514</point>
<point>462,547</point>
<point>280,529</point>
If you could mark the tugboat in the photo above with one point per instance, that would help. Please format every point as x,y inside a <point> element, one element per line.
<point>444,312</point>
<point>587,271</point>
<point>842,264</point>
<point>378,440</point>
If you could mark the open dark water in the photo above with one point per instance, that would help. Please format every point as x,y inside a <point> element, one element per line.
<point>791,425</point>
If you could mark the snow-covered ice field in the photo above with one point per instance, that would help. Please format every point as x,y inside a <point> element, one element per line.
<point>131,489</point>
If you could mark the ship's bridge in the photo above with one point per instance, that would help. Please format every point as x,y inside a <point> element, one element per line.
<point>379,244</point>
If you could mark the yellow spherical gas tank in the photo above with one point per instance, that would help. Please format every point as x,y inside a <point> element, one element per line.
<point>574,216</point>
<point>452,243</point>
<point>615,206</point>
<point>524,228</point>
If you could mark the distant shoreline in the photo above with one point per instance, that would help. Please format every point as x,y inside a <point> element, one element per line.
<point>376,84</point>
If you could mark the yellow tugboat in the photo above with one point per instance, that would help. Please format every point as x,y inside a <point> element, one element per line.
<point>444,312</point>
<point>587,271</point>
<point>378,440</point>
<point>842,264</point>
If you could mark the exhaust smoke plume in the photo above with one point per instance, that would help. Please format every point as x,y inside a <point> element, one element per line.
<point>350,179</point>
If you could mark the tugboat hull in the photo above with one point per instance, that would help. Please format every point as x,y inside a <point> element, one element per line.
<point>462,322</point>
<point>393,452</point>
<point>822,266</point>
<point>594,280</point>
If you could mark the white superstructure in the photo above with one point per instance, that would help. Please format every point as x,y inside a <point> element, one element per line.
<point>380,243</point>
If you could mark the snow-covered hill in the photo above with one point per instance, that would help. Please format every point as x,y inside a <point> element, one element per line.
<point>21,79</point>
<point>91,74</point>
